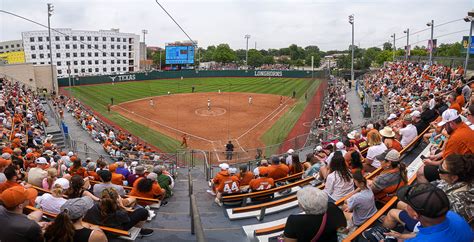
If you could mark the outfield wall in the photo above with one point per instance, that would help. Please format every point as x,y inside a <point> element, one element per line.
<point>87,80</point>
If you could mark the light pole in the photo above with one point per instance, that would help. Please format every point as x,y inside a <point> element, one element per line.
<point>394,48</point>
<point>408,43</point>
<point>431,24</point>
<point>69,74</point>
<point>160,57</point>
<point>50,12</point>
<point>247,36</point>
<point>351,21</point>
<point>469,18</point>
<point>145,32</point>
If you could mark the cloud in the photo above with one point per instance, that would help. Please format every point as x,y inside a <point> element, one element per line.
<point>272,24</point>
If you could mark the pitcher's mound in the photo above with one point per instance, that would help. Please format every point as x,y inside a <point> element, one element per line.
<point>215,111</point>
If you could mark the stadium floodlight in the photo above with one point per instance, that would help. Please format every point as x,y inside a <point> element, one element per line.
<point>394,48</point>
<point>469,18</point>
<point>145,32</point>
<point>408,42</point>
<point>431,24</point>
<point>351,21</point>
<point>50,13</point>
<point>247,36</point>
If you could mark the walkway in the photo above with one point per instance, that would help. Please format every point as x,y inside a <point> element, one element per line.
<point>355,108</point>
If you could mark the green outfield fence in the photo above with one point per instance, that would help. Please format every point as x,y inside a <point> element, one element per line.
<point>152,75</point>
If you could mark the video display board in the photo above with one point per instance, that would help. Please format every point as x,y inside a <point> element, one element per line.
<point>179,54</point>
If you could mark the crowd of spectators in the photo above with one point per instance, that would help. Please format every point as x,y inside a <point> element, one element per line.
<point>421,97</point>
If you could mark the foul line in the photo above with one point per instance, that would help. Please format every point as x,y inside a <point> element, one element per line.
<point>276,114</point>
<point>261,121</point>
<point>164,125</point>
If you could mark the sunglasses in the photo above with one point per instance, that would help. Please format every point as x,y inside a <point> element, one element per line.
<point>441,170</point>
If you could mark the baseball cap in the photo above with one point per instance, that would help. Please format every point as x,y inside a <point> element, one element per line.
<point>139,170</point>
<point>224,166</point>
<point>232,170</point>
<point>390,155</point>
<point>425,199</point>
<point>112,167</point>
<point>70,153</point>
<point>448,116</point>
<point>63,182</point>
<point>407,118</point>
<point>392,116</point>
<point>318,148</point>
<point>77,207</point>
<point>415,114</point>
<point>41,160</point>
<point>340,145</point>
<point>4,162</point>
<point>17,195</point>
<point>152,176</point>
<point>261,171</point>
<point>290,151</point>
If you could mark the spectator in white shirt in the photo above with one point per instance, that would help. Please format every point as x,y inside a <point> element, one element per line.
<point>339,147</point>
<point>376,147</point>
<point>339,182</point>
<point>51,203</point>
<point>407,134</point>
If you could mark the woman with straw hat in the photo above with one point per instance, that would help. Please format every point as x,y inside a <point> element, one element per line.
<point>388,138</point>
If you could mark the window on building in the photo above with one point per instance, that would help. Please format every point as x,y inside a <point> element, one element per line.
<point>75,63</point>
<point>58,55</point>
<point>76,71</point>
<point>41,63</point>
<point>118,39</point>
<point>58,47</point>
<point>74,54</point>
<point>47,38</point>
<point>81,38</point>
<point>96,38</point>
<point>124,54</point>
<point>41,56</point>
<point>96,54</point>
<point>40,47</point>
<point>96,62</point>
<point>33,56</point>
<point>112,39</point>
<point>104,69</point>
<point>32,39</point>
<point>112,47</point>
<point>74,38</point>
<point>124,40</point>
<point>40,39</point>
<point>13,46</point>
<point>118,46</point>
<point>89,54</point>
<point>47,47</point>
<point>83,62</point>
<point>58,63</point>
<point>112,62</point>
<point>74,46</point>
<point>90,70</point>
<point>32,47</point>
<point>68,63</point>
<point>67,46</point>
<point>104,62</point>
<point>83,70</point>
<point>96,47</point>
<point>96,69</point>
<point>56,38</point>
<point>104,54</point>
<point>68,55</point>
<point>60,72</point>
<point>104,38</point>
<point>66,38</point>
<point>1,47</point>
<point>18,45</point>
<point>89,46</point>
<point>118,53</point>
<point>83,54</point>
<point>124,61</point>
<point>82,46</point>
<point>118,61</point>
<point>124,47</point>
<point>112,54</point>
<point>104,47</point>
<point>89,38</point>
<point>49,55</point>
<point>89,62</point>
<point>112,69</point>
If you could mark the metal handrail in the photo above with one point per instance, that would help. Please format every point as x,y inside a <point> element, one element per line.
<point>196,224</point>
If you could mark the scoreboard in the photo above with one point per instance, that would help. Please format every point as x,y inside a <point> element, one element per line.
<point>179,54</point>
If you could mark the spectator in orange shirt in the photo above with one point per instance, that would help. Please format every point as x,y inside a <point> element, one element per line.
<point>229,185</point>
<point>277,170</point>
<point>245,177</point>
<point>117,179</point>
<point>12,179</point>
<point>460,141</point>
<point>263,182</point>
<point>90,172</point>
<point>147,187</point>
<point>219,178</point>
<point>454,104</point>
<point>459,97</point>
<point>77,169</point>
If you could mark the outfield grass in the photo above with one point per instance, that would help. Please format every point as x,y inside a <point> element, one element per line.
<point>98,96</point>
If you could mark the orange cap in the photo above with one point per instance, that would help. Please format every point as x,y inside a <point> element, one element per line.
<point>263,170</point>
<point>4,162</point>
<point>112,167</point>
<point>17,195</point>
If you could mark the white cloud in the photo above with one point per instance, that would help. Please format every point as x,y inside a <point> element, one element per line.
<point>272,24</point>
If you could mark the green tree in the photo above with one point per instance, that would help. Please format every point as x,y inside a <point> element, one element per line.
<point>317,59</point>
<point>284,60</point>
<point>240,53</point>
<point>155,56</point>
<point>255,58</point>
<point>344,61</point>
<point>387,46</point>
<point>450,50</point>
<point>224,54</point>
<point>209,53</point>
<point>383,56</point>
<point>268,60</point>
<point>296,52</point>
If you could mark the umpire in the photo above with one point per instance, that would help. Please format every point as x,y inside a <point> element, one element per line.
<point>229,150</point>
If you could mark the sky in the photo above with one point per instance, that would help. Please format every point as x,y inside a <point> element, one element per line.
<point>270,23</point>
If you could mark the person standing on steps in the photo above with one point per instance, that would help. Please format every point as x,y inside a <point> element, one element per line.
<point>229,150</point>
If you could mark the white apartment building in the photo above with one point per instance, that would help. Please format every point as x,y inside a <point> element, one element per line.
<point>84,52</point>
<point>11,46</point>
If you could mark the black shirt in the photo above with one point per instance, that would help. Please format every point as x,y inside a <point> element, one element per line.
<point>116,220</point>
<point>18,228</point>
<point>304,227</point>
<point>229,147</point>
